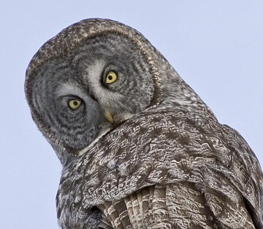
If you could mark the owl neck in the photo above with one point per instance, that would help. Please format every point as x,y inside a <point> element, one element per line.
<point>177,93</point>
<point>65,155</point>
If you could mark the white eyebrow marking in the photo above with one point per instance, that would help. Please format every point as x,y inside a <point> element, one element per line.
<point>69,89</point>
<point>105,96</point>
<point>94,72</point>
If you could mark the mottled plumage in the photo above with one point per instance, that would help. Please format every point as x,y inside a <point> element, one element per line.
<point>165,162</point>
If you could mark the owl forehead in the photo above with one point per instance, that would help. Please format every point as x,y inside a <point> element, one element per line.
<point>69,39</point>
<point>106,48</point>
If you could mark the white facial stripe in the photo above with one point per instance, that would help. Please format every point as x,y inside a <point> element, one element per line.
<point>69,89</point>
<point>66,89</point>
<point>102,94</point>
<point>94,73</point>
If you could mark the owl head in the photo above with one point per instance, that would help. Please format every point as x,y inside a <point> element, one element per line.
<point>93,76</point>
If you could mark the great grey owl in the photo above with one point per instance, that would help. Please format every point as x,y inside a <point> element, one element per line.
<point>139,148</point>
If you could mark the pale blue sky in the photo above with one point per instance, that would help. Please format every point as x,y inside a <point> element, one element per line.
<point>216,46</point>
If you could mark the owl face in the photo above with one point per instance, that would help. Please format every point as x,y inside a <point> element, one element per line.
<point>103,80</point>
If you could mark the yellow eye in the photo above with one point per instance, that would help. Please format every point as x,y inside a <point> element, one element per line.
<point>111,77</point>
<point>74,104</point>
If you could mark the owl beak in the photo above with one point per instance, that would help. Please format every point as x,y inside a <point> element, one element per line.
<point>108,116</point>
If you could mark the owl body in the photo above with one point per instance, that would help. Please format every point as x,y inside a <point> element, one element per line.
<point>158,170</point>
<point>139,148</point>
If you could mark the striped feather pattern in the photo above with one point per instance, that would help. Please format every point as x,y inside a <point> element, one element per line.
<point>187,185</point>
<point>171,206</point>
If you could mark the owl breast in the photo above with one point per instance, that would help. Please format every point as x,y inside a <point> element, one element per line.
<point>171,169</point>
